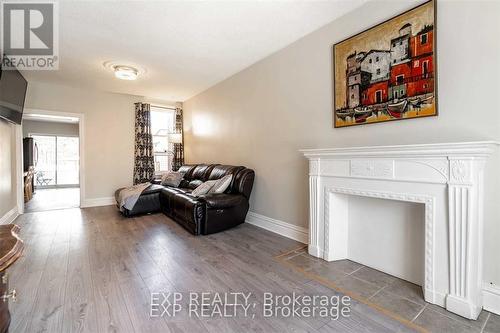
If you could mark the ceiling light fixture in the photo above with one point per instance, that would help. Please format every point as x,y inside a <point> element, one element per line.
<point>125,72</point>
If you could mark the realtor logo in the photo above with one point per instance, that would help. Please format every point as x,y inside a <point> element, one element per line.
<point>29,38</point>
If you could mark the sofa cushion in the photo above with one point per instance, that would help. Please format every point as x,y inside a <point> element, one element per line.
<point>201,172</point>
<point>192,184</point>
<point>171,179</point>
<point>186,170</point>
<point>221,184</point>
<point>220,171</point>
<point>204,188</point>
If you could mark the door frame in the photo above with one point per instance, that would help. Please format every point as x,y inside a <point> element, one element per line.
<point>19,155</point>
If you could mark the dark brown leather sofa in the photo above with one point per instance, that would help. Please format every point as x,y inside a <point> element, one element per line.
<point>205,214</point>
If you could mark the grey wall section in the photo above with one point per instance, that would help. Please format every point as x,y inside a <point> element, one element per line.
<point>261,116</point>
<point>49,127</point>
<point>7,167</point>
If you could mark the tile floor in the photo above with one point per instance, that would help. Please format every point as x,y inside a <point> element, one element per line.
<point>402,298</point>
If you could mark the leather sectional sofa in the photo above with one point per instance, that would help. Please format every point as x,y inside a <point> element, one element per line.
<point>204,214</point>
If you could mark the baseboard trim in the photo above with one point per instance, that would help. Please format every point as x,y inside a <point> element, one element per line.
<point>491,298</point>
<point>10,216</point>
<point>96,202</point>
<point>279,227</point>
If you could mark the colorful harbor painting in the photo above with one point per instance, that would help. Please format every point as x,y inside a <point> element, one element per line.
<point>387,72</point>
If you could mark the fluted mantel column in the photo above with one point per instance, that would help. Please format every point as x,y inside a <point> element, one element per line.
<point>465,206</point>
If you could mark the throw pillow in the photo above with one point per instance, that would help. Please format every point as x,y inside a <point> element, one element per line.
<point>203,188</point>
<point>222,184</point>
<point>171,179</point>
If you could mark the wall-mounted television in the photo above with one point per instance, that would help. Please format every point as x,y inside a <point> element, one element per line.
<point>12,94</point>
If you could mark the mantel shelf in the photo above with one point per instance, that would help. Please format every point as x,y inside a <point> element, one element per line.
<point>463,149</point>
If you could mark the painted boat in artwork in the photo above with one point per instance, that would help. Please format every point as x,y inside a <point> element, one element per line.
<point>417,102</point>
<point>427,100</point>
<point>344,114</point>
<point>396,110</point>
<point>361,114</point>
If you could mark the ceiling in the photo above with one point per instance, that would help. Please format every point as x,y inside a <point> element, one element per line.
<point>183,47</point>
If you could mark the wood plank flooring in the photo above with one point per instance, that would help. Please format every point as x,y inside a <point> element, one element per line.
<point>53,198</point>
<point>92,270</point>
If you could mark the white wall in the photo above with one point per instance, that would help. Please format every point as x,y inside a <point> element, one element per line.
<point>108,133</point>
<point>49,127</point>
<point>261,116</point>
<point>7,168</point>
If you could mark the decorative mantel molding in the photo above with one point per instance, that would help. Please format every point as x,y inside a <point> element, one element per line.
<point>464,149</point>
<point>413,173</point>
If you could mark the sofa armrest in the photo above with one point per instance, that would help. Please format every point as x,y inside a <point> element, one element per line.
<point>222,200</point>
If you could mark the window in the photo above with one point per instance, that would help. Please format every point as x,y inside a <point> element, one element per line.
<point>401,43</point>
<point>370,61</point>
<point>416,63</point>
<point>377,59</point>
<point>400,79</point>
<point>378,71</point>
<point>162,123</point>
<point>423,39</point>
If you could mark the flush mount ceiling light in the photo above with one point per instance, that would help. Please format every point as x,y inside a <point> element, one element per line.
<point>125,72</point>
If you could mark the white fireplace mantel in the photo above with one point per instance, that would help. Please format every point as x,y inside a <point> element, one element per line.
<point>447,178</point>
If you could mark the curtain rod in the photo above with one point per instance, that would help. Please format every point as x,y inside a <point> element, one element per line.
<point>164,107</point>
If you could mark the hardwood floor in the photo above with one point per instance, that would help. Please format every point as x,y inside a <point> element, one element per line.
<point>53,198</point>
<point>91,270</point>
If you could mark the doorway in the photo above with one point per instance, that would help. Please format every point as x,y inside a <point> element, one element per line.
<point>51,162</point>
<point>56,161</point>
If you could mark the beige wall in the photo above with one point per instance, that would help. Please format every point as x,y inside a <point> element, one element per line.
<point>49,127</point>
<point>7,167</point>
<point>108,132</point>
<point>261,116</point>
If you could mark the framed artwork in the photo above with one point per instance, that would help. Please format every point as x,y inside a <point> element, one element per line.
<point>387,72</point>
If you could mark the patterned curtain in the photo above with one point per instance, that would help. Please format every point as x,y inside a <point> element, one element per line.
<point>178,158</point>
<point>144,168</point>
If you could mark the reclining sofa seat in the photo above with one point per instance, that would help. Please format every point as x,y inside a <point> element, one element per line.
<point>205,214</point>
<point>213,212</point>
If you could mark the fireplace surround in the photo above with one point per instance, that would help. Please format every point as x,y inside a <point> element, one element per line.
<point>447,178</point>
